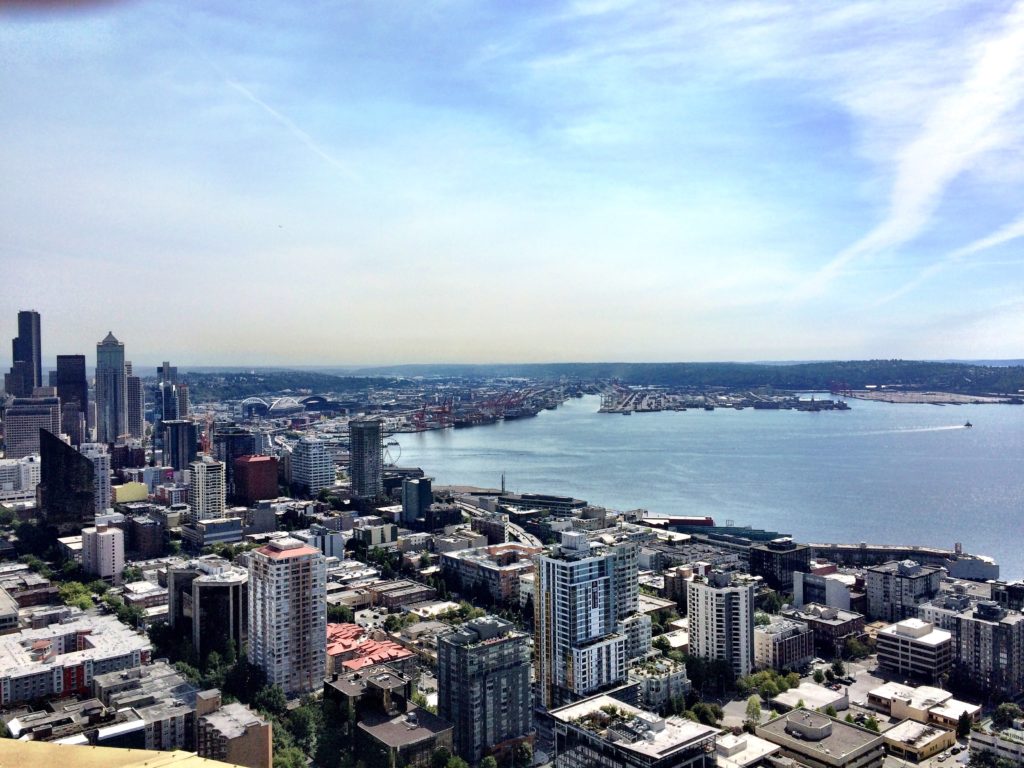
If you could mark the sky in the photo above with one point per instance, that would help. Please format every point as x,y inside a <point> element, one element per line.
<point>358,183</point>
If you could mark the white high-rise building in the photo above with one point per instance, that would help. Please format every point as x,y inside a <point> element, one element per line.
<point>312,465</point>
<point>288,614</point>
<point>721,611</point>
<point>581,593</point>
<point>19,478</point>
<point>207,489</point>
<point>103,552</point>
<point>23,420</point>
<point>100,458</point>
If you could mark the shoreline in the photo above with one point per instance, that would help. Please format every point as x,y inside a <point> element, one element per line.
<point>931,398</point>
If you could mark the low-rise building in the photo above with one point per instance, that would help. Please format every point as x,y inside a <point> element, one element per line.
<point>916,649</point>
<point>916,741</point>
<point>743,751</point>
<point>63,659</point>
<point>498,569</point>
<point>783,644</point>
<point>205,533</point>
<point>819,741</point>
<point>400,592</point>
<point>406,738</point>
<point>1005,744</point>
<point>164,700</point>
<point>232,733</point>
<point>603,732</point>
<point>660,681</point>
<point>812,696</point>
<point>832,627</point>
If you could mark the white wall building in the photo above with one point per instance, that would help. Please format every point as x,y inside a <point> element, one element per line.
<point>207,489</point>
<point>288,614</point>
<point>100,458</point>
<point>312,465</point>
<point>721,612</point>
<point>103,552</point>
<point>19,478</point>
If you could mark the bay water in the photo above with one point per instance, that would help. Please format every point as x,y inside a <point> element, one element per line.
<point>881,473</point>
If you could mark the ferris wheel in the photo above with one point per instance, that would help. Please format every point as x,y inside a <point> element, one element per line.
<point>392,452</point>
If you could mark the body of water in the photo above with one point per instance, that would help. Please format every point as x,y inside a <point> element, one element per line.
<point>880,472</point>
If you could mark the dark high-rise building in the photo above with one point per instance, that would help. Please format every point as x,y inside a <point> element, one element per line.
<point>776,561</point>
<point>73,391</point>
<point>135,404</point>
<point>26,356</point>
<point>181,438</point>
<point>417,496</point>
<point>67,480</point>
<point>111,390</point>
<point>366,467</point>
<point>209,599</point>
<point>167,373</point>
<point>168,405</point>
<point>229,443</point>
<point>483,677</point>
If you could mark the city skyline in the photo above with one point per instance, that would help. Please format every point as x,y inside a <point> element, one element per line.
<point>586,181</point>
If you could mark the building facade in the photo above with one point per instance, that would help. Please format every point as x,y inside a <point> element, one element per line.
<point>23,420</point>
<point>312,466</point>
<point>916,649</point>
<point>483,676</point>
<point>206,491</point>
<point>366,468</point>
<point>103,552</point>
<point>288,614</point>
<point>73,391</point>
<point>100,458</point>
<point>895,589</point>
<point>26,356</point>
<point>721,611</point>
<point>111,390</point>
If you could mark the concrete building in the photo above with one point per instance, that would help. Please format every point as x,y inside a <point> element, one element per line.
<point>207,492</point>
<point>331,543</point>
<point>483,676</point>
<point>916,742</point>
<point>366,468</point>
<point>26,356</point>
<point>99,456</point>
<point>163,700</point>
<point>660,681</point>
<point>497,569</point>
<point>990,647</point>
<point>895,589</point>
<point>22,421</point>
<point>312,466</point>
<point>62,659</point>
<point>111,391</point>
<point>783,644</point>
<point>232,733</point>
<point>288,614</point>
<point>201,534</point>
<point>823,589</point>
<point>914,648</point>
<point>208,599</point>
<point>832,627</point>
<point>603,732</point>
<point>255,479</point>
<point>577,607</point>
<point>376,535</point>
<point>721,613</point>
<point>103,552</point>
<point>776,560</point>
<point>819,741</point>
<point>19,478</point>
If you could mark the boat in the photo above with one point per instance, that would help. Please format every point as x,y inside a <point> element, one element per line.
<point>967,425</point>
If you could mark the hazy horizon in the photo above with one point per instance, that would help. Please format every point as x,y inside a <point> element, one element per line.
<point>463,182</point>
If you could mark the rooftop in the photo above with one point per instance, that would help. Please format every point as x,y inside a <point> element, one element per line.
<point>233,720</point>
<point>809,732</point>
<point>915,734</point>
<point>403,730</point>
<point>72,642</point>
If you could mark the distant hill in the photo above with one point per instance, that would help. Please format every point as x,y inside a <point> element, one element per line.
<point>970,378</point>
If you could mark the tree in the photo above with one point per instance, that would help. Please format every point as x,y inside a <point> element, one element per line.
<point>849,717</point>
<point>830,675</point>
<point>819,676</point>
<point>754,709</point>
<point>291,757</point>
<point>131,573</point>
<point>831,711</point>
<point>523,756</point>
<point>963,725</point>
<point>456,762</point>
<point>838,668</point>
<point>440,757</point>
<point>271,699</point>
<point>489,762</point>
<point>1005,714</point>
<point>871,723</point>
<point>340,614</point>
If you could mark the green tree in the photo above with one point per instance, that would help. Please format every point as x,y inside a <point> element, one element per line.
<point>831,711</point>
<point>963,725</point>
<point>849,717</point>
<point>830,675</point>
<point>340,614</point>
<point>838,668</point>
<point>1005,714</point>
<point>489,762</point>
<point>75,594</point>
<point>819,676</point>
<point>871,723</point>
<point>131,573</point>
<point>456,762</point>
<point>754,709</point>
<point>271,699</point>
<point>523,755</point>
<point>439,758</point>
<point>290,757</point>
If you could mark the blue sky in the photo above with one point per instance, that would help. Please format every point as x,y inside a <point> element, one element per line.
<point>277,183</point>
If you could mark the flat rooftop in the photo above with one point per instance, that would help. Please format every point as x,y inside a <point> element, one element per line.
<point>842,740</point>
<point>914,734</point>
<point>814,697</point>
<point>406,729</point>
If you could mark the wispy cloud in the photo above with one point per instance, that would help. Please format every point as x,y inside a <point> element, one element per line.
<point>1011,231</point>
<point>294,130</point>
<point>962,127</point>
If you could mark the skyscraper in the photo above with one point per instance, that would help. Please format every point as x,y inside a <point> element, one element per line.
<point>312,465</point>
<point>73,391</point>
<point>579,648</point>
<point>417,496</point>
<point>103,552</point>
<point>366,466</point>
<point>231,441</point>
<point>111,390</point>
<point>288,614</point>
<point>180,440</point>
<point>26,356</point>
<point>483,677</point>
<point>721,610</point>
<point>67,480</point>
<point>23,420</point>
<point>135,404</point>
<point>206,492</point>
